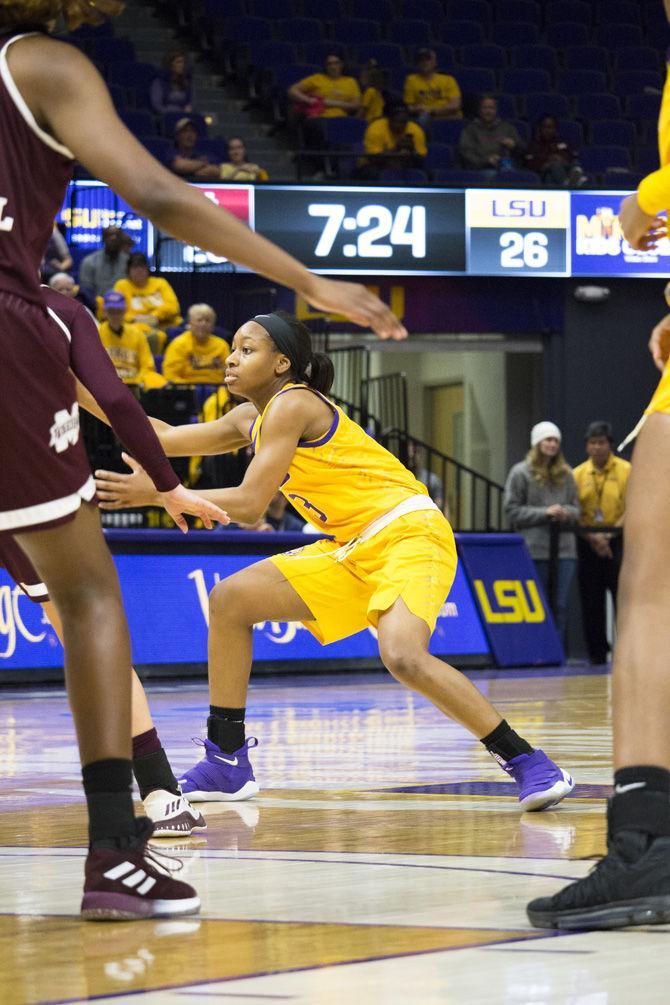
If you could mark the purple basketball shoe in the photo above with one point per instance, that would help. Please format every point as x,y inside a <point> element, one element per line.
<point>541,782</point>
<point>220,776</point>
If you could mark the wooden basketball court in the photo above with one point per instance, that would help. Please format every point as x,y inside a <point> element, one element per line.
<point>384,861</point>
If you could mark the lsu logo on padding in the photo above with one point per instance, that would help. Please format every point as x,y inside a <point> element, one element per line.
<point>514,602</point>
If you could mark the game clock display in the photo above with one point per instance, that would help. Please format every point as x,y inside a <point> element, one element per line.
<point>359,231</point>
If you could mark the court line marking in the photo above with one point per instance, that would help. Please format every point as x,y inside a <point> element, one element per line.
<point>306,969</point>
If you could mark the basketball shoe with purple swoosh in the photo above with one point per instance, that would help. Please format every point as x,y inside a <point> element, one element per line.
<point>221,776</point>
<point>541,782</point>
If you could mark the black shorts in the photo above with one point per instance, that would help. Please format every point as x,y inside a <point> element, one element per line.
<point>44,469</point>
<point>21,569</point>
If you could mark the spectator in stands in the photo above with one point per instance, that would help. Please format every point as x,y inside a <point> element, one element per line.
<point>374,95</point>
<point>62,282</point>
<point>100,270</point>
<point>238,168</point>
<point>393,142</point>
<point>431,95</point>
<point>552,158</point>
<point>172,90</point>
<point>602,481</point>
<point>57,257</point>
<point>329,94</point>
<point>197,356</point>
<point>127,344</point>
<point>151,302</point>
<point>186,160</point>
<point>488,143</point>
<point>540,492</point>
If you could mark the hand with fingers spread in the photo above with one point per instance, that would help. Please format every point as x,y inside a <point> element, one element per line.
<point>356,303</point>
<point>121,491</point>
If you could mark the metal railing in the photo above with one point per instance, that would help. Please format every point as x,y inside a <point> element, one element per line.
<point>470,500</point>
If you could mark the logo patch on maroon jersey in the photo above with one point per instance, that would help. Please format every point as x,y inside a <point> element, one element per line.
<point>65,429</point>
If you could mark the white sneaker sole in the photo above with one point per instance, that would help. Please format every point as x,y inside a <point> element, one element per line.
<point>549,797</point>
<point>248,790</point>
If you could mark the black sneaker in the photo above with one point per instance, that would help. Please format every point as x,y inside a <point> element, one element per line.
<point>629,886</point>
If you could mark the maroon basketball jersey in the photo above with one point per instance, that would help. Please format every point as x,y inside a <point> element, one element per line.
<point>34,172</point>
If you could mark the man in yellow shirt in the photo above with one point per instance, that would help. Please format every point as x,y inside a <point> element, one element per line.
<point>431,95</point>
<point>127,344</point>
<point>151,301</point>
<point>601,484</point>
<point>394,142</point>
<point>330,94</point>
<point>197,356</point>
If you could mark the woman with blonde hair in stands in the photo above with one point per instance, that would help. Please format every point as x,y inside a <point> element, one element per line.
<point>55,110</point>
<point>540,493</point>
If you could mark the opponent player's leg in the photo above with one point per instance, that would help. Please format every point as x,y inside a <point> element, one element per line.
<point>76,566</point>
<point>257,593</point>
<point>169,811</point>
<point>631,885</point>
<point>403,646</point>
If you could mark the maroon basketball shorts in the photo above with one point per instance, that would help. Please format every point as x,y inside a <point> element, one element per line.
<point>44,472</point>
<point>21,569</point>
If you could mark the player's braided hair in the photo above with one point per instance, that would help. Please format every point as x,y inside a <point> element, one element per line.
<point>39,13</point>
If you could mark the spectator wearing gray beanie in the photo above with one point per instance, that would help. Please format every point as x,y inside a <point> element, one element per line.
<point>541,491</point>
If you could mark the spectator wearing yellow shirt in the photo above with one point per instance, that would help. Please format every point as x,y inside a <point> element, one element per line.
<point>330,94</point>
<point>372,88</point>
<point>431,95</point>
<point>127,344</point>
<point>197,356</point>
<point>394,142</point>
<point>237,167</point>
<point>602,481</point>
<point>151,302</point>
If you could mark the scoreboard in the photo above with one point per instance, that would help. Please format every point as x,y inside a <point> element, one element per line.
<point>396,231</point>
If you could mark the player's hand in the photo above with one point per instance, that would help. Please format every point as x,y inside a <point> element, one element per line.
<point>356,303</point>
<point>643,232</point>
<point>120,491</point>
<point>659,343</point>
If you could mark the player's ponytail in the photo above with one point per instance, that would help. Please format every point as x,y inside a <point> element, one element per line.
<point>291,338</point>
<point>320,372</point>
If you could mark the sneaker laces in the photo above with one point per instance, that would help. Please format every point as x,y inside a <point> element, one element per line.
<point>166,864</point>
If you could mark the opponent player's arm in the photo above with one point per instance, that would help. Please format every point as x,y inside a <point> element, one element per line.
<point>283,426</point>
<point>68,97</point>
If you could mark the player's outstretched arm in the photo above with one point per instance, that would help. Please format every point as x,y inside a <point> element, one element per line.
<point>69,98</point>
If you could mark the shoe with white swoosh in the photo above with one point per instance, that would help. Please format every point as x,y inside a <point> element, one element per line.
<point>221,776</point>
<point>132,883</point>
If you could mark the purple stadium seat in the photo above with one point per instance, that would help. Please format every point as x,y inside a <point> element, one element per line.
<point>427,10</point>
<point>618,12</point>
<point>301,30</point>
<point>410,31</point>
<point>580,81</point>
<point>509,33</point>
<point>525,81</point>
<point>411,176</point>
<point>476,81</point>
<point>614,36</point>
<point>613,133</point>
<point>533,57</point>
<point>267,54</point>
<point>440,156</point>
<point>646,159</point>
<point>343,132</point>
<point>469,10</point>
<point>387,54</point>
<point>636,82</point>
<point>564,33</point>
<point>546,104</point>
<point>597,106</point>
<point>248,29</point>
<point>140,123</point>
<point>572,132</point>
<point>596,160</point>
<point>279,9</point>
<point>458,33</point>
<point>618,178</point>
<point>523,129</point>
<point>458,178</point>
<point>586,57</point>
<point>568,10</point>
<point>518,11</point>
<point>516,178</point>
<point>493,57</point>
<point>446,131</point>
<point>643,107</point>
<point>355,31</point>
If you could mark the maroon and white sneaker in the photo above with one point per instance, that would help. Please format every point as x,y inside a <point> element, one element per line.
<point>128,884</point>
<point>172,816</point>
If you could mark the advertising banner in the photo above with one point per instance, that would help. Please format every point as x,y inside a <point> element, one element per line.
<point>598,245</point>
<point>166,602</point>
<point>512,605</point>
